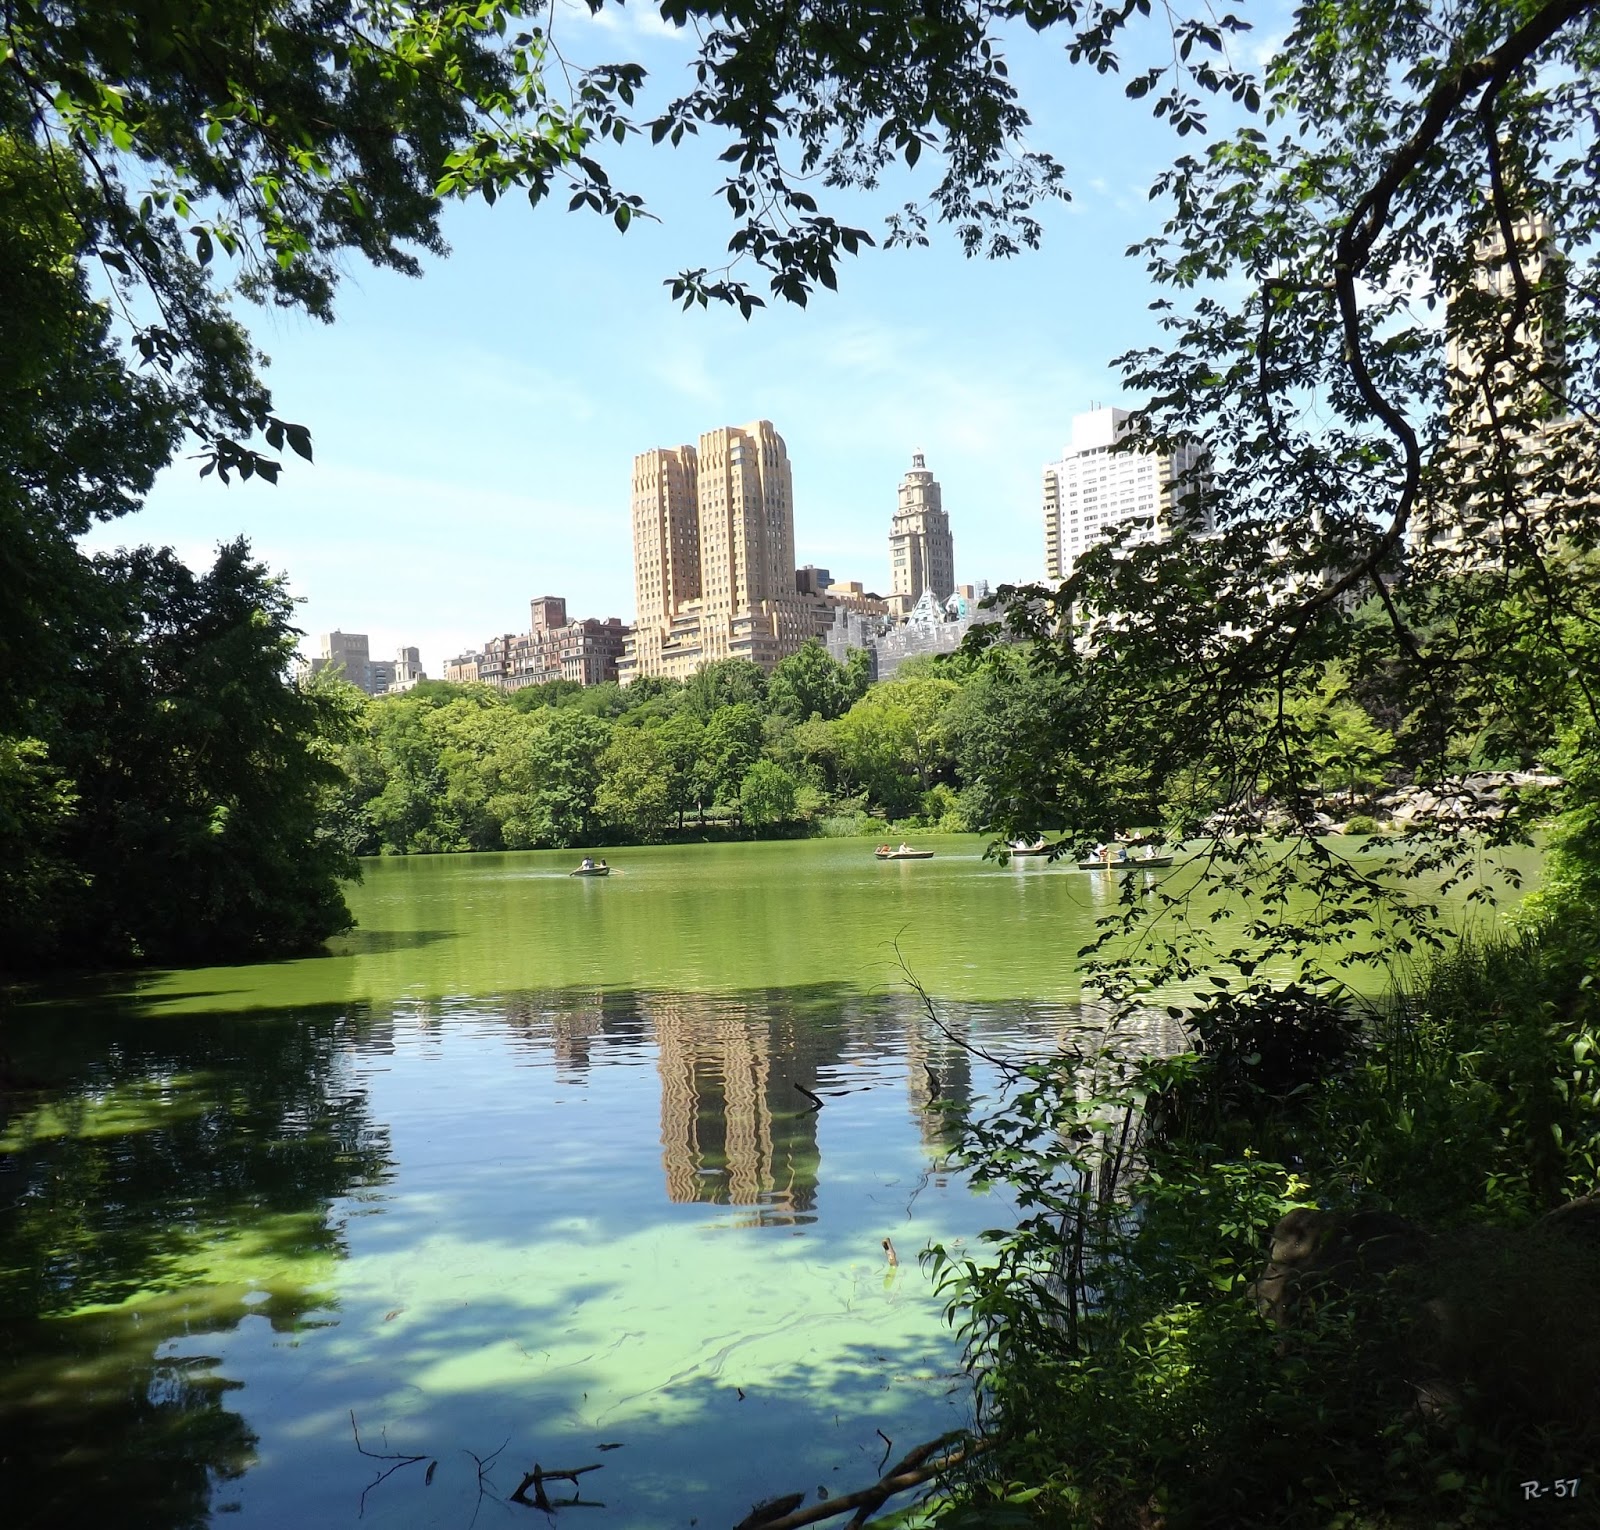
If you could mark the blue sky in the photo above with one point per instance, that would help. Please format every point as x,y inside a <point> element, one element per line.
<point>475,429</point>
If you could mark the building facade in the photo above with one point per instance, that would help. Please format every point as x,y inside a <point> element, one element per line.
<point>921,550</point>
<point>408,670</point>
<point>1093,490</point>
<point>350,655</point>
<point>553,648</point>
<point>1511,436</point>
<point>713,557</point>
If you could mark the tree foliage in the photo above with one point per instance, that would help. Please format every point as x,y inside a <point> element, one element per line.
<point>174,811</point>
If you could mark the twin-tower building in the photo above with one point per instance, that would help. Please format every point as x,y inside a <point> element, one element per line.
<point>714,564</point>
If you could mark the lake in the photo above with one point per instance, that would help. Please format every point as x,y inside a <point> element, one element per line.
<point>523,1171</point>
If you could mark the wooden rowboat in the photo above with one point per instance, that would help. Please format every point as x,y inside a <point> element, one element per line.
<point>1133,863</point>
<point>904,855</point>
<point>591,871</point>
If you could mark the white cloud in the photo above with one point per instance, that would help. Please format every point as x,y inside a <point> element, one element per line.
<point>685,370</point>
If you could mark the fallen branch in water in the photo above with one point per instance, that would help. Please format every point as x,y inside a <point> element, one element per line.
<point>911,1472</point>
<point>400,1460</point>
<point>537,1478</point>
<point>773,1509</point>
<point>816,1099</point>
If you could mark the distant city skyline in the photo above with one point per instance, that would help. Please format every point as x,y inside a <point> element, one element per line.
<point>474,430</point>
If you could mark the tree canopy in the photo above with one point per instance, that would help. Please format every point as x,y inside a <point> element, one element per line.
<point>1378,291</point>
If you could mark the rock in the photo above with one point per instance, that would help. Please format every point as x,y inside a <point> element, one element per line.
<point>1494,1325</point>
<point>1323,1254</point>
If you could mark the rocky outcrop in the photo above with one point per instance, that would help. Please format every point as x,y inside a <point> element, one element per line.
<point>1462,802</point>
<point>1498,1326</point>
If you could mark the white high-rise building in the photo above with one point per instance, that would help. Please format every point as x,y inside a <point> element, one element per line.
<point>1093,490</point>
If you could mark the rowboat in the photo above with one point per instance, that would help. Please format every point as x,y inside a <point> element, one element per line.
<point>1132,863</point>
<point>1038,847</point>
<point>905,853</point>
<point>591,871</point>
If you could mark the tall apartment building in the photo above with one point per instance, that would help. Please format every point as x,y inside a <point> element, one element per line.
<point>350,654</point>
<point>1092,490</point>
<point>553,648</point>
<point>666,545</point>
<point>713,555</point>
<point>1535,384</point>
<point>921,552</point>
<point>1501,410</point>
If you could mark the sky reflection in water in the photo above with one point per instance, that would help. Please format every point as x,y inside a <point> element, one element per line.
<point>520,1171</point>
<point>533,1224</point>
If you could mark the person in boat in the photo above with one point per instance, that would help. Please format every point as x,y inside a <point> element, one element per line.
<point>904,847</point>
<point>586,864</point>
<point>882,850</point>
<point>602,865</point>
<point>1149,852</point>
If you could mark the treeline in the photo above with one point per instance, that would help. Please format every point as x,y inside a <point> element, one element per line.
<point>810,747</point>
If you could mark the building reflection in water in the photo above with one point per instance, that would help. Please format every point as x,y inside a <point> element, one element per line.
<point>939,1082</point>
<point>736,1128</point>
<point>735,1131</point>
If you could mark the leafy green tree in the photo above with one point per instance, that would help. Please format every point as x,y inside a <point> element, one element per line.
<point>465,736</point>
<point>198,772</point>
<point>682,742</point>
<point>732,745</point>
<point>815,746</point>
<point>725,683</point>
<point>858,672</point>
<point>562,776</point>
<point>81,436</point>
<point>810,683</point>
<point>876,743</point>
<point>551,693</point>
<point>38,883</point>
<point>768,795</point>
<point>397,778</point>
<point>1347,749</point>
<point>894,739</point>
<point>635,791</point>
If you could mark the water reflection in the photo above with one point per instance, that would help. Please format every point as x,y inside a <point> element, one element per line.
<point>161,1185</point>
<point>560,1216</point>
<point>735,1129</point>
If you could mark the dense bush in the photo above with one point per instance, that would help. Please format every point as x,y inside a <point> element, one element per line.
<point>1122,1362</point>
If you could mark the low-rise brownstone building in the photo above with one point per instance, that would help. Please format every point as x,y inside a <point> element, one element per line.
<point>553,648</point>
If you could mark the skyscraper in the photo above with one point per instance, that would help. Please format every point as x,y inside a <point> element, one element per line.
<point>666,544</point>
<point>746,522</point>
<point>1093,490</point>
<point>921,552</point>
<point>713,555</point>
<point>1483,392</point>
<point>1515,457</point>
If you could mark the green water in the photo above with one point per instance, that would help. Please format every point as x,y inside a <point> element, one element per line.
<point>518,1171</point>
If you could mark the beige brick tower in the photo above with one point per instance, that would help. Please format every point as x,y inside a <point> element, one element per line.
<point>921,551</point>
